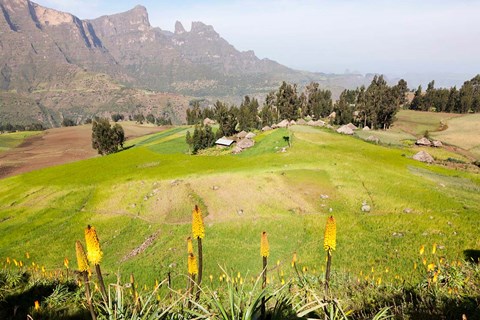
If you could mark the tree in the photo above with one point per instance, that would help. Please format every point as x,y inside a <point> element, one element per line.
<point>107,139</point>
<point>68,122</point>
<point>117,117</point>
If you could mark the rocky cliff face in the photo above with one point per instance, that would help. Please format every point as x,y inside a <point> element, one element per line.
<point>44,51</point>
<point>37,41</point>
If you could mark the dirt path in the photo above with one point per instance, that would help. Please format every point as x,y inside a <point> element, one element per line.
<point>58,146</point>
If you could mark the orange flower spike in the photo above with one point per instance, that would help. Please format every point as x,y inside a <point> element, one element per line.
<point>189,245</point>
<point>192,264</point>
<point>264,246</point>
<point>422,249</point>
<point>65,262</point>
<point>330,238</point>
<point>37,305</point>
<point>198,228</point>
<point>94,252</point>
<point>81,257</point>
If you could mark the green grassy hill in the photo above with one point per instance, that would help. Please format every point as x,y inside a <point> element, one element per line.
<point>150,189</point>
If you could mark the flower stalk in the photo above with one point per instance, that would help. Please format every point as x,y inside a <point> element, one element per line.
<point>94,255</point>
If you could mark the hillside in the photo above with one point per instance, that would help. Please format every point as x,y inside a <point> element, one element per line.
<point>150,190</point>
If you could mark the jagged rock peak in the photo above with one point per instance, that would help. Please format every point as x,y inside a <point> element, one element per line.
<point>198,27</point>
<point>179,29</point>
<point>139,16</point>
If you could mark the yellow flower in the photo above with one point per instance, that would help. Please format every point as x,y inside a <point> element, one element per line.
<point>37,305</point>
<point>434,248</point>
<point>192,264</point>
<point>435,276</point>
<point>264,247</point>
<point>65,262</point>
<point>27,255</point>
<point>198,229</point>
<point>81,257</point>
<point>431,267</point>
<point>424,261</point>
<point>211,278</point>
<point>294,259</point>
<point>330,238</point>
<point>8,260</point>
<point>422,249</point>
<point>189,245</point>
<point>94,253</point>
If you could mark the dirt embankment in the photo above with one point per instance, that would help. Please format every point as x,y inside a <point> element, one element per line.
<point>58,146</point>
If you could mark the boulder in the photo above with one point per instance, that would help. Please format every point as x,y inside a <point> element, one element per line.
<point>292,123</point>
<point>332,115</point>
<point>250,135</point>
<point>423,142</point>
<point>423,157</point>
<point>437,143</point>
<point>345,130</point>
<point>366,128</point>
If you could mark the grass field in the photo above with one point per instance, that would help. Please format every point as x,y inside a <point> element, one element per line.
<point>153,187</point>
<point>463,132</point>
<point>12,140</point>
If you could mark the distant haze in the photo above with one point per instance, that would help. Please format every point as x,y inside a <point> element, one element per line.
<point>418,40</point>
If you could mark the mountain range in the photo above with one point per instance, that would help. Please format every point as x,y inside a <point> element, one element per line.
<point>55,65</point>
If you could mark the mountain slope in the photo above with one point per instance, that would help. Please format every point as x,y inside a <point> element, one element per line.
<point>45,50</point>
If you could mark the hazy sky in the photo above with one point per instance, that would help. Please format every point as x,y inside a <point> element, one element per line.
<point>392,37</point>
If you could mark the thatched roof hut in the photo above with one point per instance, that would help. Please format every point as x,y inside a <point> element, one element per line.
<point>301,122</point>
<point>345,129</point>
<point>283,124</point>
<point>437,143</point>
<point>266,128</point>
<point>245,143</point>
<point>352,126</point>
<point>241,134</point>
<point>423,142</point>
<point>423,157</point>
<point>208,121</point>
<point>250,135</point>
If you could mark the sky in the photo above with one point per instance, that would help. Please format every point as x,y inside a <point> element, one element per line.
<point>332,36</point>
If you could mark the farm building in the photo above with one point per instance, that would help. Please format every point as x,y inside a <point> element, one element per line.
<point>224,142</point>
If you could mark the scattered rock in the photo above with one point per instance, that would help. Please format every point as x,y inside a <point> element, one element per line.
<point>366,208</point>
<point>423,142</point>
<point>240,212</point>
<point>423,157</point>
<point>407,210</point>
<point>215,187</point>
<point>172,265</point>
<point>397,234</point>
<point>425,234</point>
<point>284,149</point>
<point>324,196</point>
<point>330,209</point>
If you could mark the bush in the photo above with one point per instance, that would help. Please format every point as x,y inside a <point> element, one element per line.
<point>68,122</point>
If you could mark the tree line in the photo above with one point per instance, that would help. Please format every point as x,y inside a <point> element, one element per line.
<point>374,106</point>
<point>8,127</point>
<point>453,100</point>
